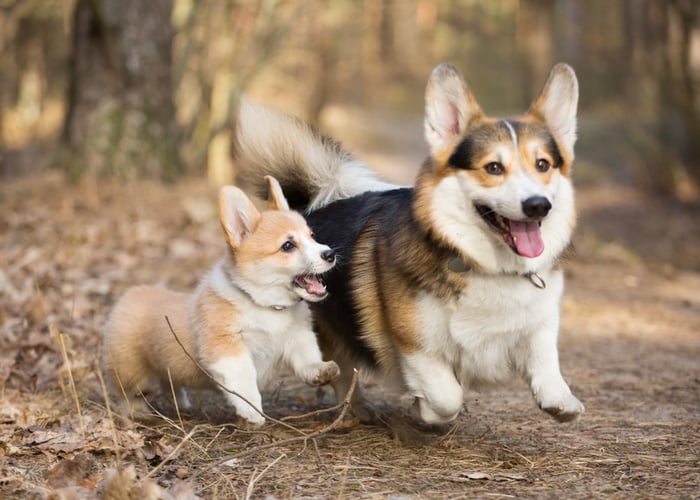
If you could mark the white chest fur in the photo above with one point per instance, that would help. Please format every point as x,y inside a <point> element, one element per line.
<point>267,332</point>
<point>484,334</point>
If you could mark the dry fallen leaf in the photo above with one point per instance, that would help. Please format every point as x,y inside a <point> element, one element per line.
<point>70,472</point>
<point>125,485</point>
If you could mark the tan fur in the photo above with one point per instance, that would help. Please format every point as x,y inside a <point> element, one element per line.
<point>214,318</point>
<point>274,229</point>
<point>139,345</point>
<point>372,307</point>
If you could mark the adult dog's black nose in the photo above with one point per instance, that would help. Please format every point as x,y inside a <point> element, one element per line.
<point>536,207</point>
<point>328,255</point>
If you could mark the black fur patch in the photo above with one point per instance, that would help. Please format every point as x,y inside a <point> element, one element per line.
<point>398,242</point>
<point>461,157</point>
<point>555,152</point>
<point>338,225</point>
<point>477,143</point>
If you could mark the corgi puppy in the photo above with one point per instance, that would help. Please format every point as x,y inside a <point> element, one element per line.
<point>248,317</point>
<point>451,283</point>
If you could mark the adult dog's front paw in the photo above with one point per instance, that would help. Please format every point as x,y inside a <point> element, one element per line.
<point>326,373</point>
<point>564,408</point>
<point>555,398</point>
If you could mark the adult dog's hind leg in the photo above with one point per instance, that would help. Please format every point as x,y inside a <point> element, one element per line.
<point>341,384</point>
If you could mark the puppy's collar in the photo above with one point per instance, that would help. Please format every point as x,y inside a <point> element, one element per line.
<point>274,307</point>
<point>233,284</point>
<point>459,265</point>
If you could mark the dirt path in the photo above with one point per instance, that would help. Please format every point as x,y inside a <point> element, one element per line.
<point>630,346</point>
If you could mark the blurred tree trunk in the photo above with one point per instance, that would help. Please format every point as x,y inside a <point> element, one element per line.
<point>684,32</point>
<point>375,40</point>
<point>659,37</point>
<point>324,61</point>
<point>535,41</point>
<point>121,115</point>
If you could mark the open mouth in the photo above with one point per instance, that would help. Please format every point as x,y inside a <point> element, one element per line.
<point>523,237</point>
<point>314,284</point>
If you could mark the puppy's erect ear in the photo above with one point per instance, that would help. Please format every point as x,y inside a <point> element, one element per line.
<point>275,198</point>
<point>449,107</point>
<point>557,104</point>
<point>237,214</point>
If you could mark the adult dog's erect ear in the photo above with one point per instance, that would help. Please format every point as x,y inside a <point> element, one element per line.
<point>557,105</point>
<point>449,107</point>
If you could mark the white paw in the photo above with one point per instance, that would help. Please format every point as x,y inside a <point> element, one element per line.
<point>252,417</point>
<point>434,416</point>
<point>560,404</point>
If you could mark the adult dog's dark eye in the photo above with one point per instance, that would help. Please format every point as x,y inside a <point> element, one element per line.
<point>542,165</point>
<point>288,246</point>
<point>495,168</point>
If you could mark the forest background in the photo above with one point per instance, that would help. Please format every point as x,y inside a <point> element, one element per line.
<point>114,137</point>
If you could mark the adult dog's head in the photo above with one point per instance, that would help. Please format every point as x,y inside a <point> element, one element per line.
<point>499,190</point>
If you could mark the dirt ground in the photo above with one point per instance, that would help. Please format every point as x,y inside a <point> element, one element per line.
<point>630,347</point>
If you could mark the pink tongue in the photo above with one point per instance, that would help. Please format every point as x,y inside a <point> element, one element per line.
<point>528,240</point>
<point>313,285</point>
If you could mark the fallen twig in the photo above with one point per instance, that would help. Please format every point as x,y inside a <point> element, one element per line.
<point>324,430</point>
<point>224,388</point>
<point>254,479</point>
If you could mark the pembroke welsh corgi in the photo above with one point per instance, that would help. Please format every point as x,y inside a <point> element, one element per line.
<point>452,283</point>
<point>248,317</point>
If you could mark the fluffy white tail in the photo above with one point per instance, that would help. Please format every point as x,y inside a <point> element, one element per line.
<point>312,169</point>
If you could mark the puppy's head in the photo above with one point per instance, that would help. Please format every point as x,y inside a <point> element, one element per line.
<point>499,189</point>
<point>275,255</point>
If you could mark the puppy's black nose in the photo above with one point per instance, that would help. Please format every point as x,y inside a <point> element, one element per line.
<point>536,207</point>
<point>328,255</point>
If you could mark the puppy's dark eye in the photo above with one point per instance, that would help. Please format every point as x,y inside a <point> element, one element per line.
<point>542,165</point>
<point>495,168</point>
<point>288,246</point>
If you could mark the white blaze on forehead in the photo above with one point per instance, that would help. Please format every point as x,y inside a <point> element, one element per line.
<point>514,137</point>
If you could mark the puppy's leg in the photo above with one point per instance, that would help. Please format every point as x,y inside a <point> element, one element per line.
<point>238,373</point>
<point>132,407</point>
<point>304,357</point>
<point>183,401</point>
<point>432,381</point>
<point>548,387</point>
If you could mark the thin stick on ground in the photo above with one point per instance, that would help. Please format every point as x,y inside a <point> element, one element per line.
<point>174,452</point>
<point>175,402</point>
<point>71,382</point>
<point>305,438</point>
<point>110,415</point>
<point>254,479</point>
<point>224,388</point>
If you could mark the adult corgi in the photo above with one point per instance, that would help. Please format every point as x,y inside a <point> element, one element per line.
<point>452,283</point>
<point>248,317</point>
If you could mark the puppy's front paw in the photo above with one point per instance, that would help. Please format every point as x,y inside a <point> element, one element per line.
<point>326,373</point>
<point>250,418</point>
